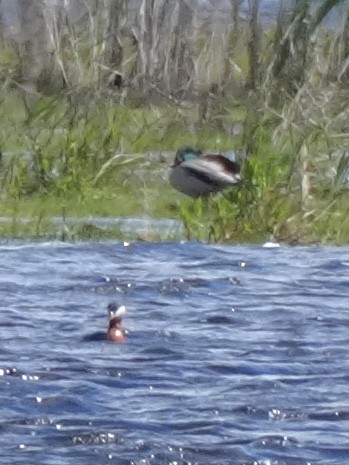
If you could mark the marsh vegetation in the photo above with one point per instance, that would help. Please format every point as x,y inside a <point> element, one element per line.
<point>96,99</point>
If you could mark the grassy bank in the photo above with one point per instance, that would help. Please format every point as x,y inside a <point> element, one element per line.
<point>88,132</point>
<point>100,160</point>
<point>111,160</point>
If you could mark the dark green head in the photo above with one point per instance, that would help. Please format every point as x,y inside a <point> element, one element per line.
<point>186,154</point>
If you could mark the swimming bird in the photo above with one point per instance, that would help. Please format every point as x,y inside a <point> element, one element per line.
<point>116,333</point>
<point>197,174</point>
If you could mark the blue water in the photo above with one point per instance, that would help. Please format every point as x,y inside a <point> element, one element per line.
<point>236,355</point>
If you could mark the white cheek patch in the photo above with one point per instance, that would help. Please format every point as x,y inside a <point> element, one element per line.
<point>120,312</point>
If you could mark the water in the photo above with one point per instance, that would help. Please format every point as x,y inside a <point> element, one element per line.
<point>236,355</point>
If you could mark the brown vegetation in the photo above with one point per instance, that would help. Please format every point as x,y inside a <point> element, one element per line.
<point>176,49</point>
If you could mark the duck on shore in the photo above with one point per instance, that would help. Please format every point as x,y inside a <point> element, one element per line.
<point>199,174</point>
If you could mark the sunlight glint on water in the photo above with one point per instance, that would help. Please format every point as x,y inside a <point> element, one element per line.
<point>236,355</point>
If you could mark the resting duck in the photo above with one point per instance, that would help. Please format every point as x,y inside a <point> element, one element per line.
<point>116,333</point>
<point>197,174</point>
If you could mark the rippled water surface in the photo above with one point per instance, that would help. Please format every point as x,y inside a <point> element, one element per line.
<point>236,355</point>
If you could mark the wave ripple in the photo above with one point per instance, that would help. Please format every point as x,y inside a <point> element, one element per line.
<point>236,355</point>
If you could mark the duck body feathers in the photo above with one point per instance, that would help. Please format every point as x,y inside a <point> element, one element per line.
<point>196,174</point>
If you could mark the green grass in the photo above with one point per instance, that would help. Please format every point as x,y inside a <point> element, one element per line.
<point>110,160</point>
